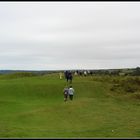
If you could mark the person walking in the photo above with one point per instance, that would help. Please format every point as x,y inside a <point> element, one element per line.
<point>71,92</point>
<point>70,77</point>
<point>60,75</point>
<point>66,92</point>
<point>66,76</point>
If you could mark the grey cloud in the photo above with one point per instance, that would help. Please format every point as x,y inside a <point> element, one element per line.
<point>61,35</point>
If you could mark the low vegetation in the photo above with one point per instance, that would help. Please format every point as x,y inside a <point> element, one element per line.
<point>104,106</point>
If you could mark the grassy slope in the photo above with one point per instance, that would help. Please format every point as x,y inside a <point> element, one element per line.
<point>34,107</point>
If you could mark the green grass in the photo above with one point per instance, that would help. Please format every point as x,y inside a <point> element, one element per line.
<point>33,107</point>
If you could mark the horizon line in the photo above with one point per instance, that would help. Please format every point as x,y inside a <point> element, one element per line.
<point>66,69</point>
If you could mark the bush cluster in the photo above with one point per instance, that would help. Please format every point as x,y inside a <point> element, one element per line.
<point>126,85</point>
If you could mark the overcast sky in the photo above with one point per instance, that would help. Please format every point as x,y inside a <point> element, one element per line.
<point>69,35</point>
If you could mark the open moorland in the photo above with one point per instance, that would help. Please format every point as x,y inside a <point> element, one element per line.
<point>32,106</point>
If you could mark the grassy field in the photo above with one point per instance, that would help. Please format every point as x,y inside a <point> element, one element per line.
<point>33,107</point>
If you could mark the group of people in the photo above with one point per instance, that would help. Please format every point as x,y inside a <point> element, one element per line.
<point>68,76</point>
<point>68,93</point>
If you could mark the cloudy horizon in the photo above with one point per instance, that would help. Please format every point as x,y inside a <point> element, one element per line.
<point>69,35</point>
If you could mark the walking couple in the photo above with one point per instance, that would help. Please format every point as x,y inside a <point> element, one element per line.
<point>68,92</point>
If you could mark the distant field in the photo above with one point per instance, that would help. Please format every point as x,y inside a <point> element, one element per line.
<point>103,107</point>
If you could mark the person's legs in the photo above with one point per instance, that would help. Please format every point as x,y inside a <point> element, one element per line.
<point>71,97</point>
<point>70,80</point>
<point>65,97</point>
<point>67,79</point>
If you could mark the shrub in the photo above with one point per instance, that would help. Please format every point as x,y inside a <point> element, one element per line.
<point>126,84</point>
<point>136,95</point>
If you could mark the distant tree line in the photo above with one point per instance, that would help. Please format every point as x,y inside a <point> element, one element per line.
<point>136,72</point>
<point>111,72</point>
<point>124,72</point>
